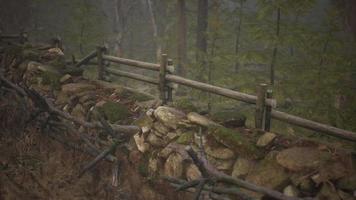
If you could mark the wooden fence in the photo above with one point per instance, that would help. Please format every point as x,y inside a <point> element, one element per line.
<point>265,104</point>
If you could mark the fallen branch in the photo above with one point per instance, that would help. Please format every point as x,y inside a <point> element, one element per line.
<point>205,167</point>
<point>100,157</point>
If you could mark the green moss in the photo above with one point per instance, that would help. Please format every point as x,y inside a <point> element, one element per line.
<point>234,140</point>
<point>186,138</point>
<point>114,111</point>
<point>185,104</point>
<point>52,79</point>
<point>144,121</point>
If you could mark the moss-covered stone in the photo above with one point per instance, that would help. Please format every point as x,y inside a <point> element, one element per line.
<point>186,138</point>
<point>229,118</point>
<point>234,140</point>
<point>114,112</point>
<point>185,104</point>
<point>144,121</point>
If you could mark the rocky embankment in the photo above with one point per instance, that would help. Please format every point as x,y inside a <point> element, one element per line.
<point>293,166</point>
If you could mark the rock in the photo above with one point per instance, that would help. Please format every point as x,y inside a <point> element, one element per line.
<point>328,192</point>
<point>268,173</point>
<point>114,112</point>
<point>347,182</point>
<point>79,112</point>
<point>266,139</point>
<point>170,117</point>
<point>219,152</point>
<point>302,158</point>
<point>145,122</point>
<point>152,166</point>
<point>291,191</point>
<point>75,88</point>
<point>192,172</point>
<point>200,120</point>
<point>241,167</point>
<point>186,138</point>
<point>147,104</point>
<point>305,184</point>
<point>66,79</point>
<point>220,164</point>
<point>165,152</point>
<point>230,118</point>
<point>155,140</point>
<point>161,128</point>
<point>87,96</point>
<point>332,171</point>
<point>172,136</point>
<point>234,140</point>
<point>174,165</point>
<point>142,146</point>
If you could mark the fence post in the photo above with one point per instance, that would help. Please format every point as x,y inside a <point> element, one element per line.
<point>170,70</point>
<point>260,105</point>
<point>268,111</point>
<point>162,78</point>
<point>99,53</point>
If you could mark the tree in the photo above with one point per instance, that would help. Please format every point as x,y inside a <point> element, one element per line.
<point>181,37</point>
<point>202,26</point>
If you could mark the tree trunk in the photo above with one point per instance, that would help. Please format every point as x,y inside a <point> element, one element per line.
<point>155,31</point>
<point>238,34</point>
<point>275,50</point>
<point>182,37</point>
<point>202,26</point>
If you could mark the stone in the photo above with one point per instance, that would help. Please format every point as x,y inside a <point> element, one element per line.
<point>302,158</point>
<point>79,112</point>
<point>332,171</point>
<point>75,88</point>
<point>145,122</point>
<point>219,152</point>
<point>291,191</point>
<point>347,182</point>
<point>161,128</point>
<point>165,152</point>
<point>114,112</point>
<point>229,118</point>
<point>172,136</point>
<point>186,138</point>
<point>200,119</point>
<point>328,192</point>
<point>266,139</point>
<point>220,164</point>
<point>142,146</point>
<point>155,140</point>
<point>66,79</point>
<point>234,140</point>
<point>152,166</point>
<point>305,184</point>
<point>241,167</point>
<point>192,172</point>
<point>170,117</point>
<point>173,166</point>
<point>268,173</point>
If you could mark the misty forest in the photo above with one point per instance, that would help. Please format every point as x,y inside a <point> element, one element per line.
<point>178,99</point>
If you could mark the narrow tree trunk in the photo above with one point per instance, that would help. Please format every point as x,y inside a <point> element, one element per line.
<point>202,26</point>
<point>275,50</point>
<point>238,34</point>
<point>182,37</point>
<point>155,30</point>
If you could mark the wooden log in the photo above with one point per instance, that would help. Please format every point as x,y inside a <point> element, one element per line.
<point>133,76</point>
<point>315,126</point>
<point>101,70</point>
<point>218,90</point>
<point>260,106</point>
<point>162,79</point>
<point>134,63</point>
<point>268,112</point>
<point>86,59</point>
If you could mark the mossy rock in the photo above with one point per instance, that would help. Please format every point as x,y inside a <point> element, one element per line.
<point>145,121</point>
<point>186,138</point>
<point>114,112</point>
<point>234,140</point>
<point>132,95</point>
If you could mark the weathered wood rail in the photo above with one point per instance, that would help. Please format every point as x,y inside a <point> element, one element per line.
<point>265,104</point>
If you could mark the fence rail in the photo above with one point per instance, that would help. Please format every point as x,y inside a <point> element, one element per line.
<point>265,104</point>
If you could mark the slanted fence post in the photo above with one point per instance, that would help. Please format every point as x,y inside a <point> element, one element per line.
<point>162,79</point>
<point>268,111</point>
<point>170,70</point>
<point>99,52</point>
<point>260,106</point>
